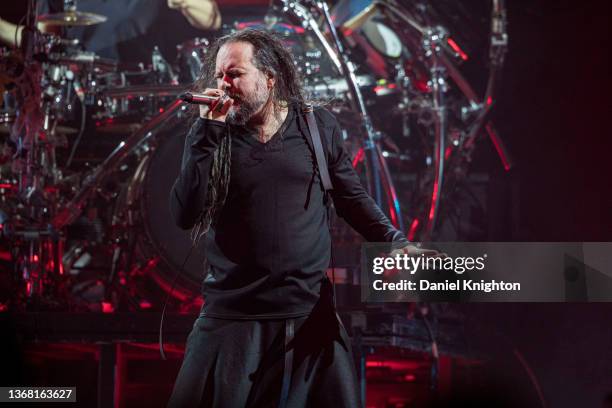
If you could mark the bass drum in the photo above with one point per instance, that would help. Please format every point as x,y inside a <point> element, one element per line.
<point>158,248</point>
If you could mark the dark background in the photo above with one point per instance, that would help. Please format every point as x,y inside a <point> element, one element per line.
<point>553,111</point>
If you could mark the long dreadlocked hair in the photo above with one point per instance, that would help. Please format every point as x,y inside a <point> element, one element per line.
<point>272,58</point>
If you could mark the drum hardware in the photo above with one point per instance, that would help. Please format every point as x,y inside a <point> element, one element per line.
<point>190,55</point>
<point>84,59</point>
<point>123,100</point>
<point>37,256</point>
<point>397,156</point>
<point>40,94</point>
<point>8,114</point>
<point>74,207</point>
<point>377,170</point>
<point>423,85</point>
<point>378,34</point>
<point>438,85</point>
<point>432,48</point>
<point>164,73</point>
<point>337,88</point>
<point>307,20</point>
<point>145,91</point>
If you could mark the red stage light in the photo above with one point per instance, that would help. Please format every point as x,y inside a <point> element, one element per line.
<point>434,198</point>
<point>145,304</point>
<point>413,229</point>
<point>409,377</point>
<point>457,49</point>
<point>358,157</point>
<point>107,307</point>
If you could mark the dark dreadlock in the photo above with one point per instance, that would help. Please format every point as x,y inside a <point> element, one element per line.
<point>272,58</point>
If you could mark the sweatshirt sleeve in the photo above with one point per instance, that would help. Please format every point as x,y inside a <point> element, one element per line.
<point>188,194</point>
<point>350,198</point>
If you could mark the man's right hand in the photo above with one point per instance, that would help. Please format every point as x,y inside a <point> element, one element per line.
<point>218,110</point>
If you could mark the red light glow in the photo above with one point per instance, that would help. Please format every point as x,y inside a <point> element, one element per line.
<point>399,365</point>
<point>107,307</point>
<point>457,49</point>
<point>392,207</point>
<point>448,152</point>
<point>413,229</point>
<point>434,199</point>
<point>358,157</point>
<point>409,377</point>
<point>498,147</point>
<point>145,304</point>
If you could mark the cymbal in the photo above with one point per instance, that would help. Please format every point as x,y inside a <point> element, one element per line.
<point>360,18</point>
<point>72,18</point>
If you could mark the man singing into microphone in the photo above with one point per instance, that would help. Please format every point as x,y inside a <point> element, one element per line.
<point>267,334</point>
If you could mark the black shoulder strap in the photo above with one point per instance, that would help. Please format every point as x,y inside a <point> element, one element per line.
<point>315,137</point>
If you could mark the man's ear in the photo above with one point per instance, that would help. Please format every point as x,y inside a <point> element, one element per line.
<point>270,82</point>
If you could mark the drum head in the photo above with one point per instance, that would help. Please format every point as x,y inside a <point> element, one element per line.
<point>383,38</point>
<point>164,238</point>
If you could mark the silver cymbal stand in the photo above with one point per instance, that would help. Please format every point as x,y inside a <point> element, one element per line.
<point>435,47</point>
<point>432,45</point>
<point>377,169</point>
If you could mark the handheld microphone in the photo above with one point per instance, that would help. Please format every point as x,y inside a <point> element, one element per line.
<point>198,98</point>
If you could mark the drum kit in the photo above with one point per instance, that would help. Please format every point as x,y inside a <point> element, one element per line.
<point>86,227</point>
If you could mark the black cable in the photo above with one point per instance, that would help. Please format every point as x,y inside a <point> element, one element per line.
<point>434,349</point>
<point>518,356</point>
<point>161,320</point>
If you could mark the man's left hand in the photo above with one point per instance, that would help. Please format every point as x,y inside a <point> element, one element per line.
<point>412,250</point>
<point>176,4</point>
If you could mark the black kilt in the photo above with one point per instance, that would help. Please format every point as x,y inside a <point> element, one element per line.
<point>240,363</point>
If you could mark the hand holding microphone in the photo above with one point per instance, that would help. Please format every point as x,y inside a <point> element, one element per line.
<point>214,103</point>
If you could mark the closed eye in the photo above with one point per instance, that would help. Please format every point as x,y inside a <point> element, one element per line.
<point>231,74</point>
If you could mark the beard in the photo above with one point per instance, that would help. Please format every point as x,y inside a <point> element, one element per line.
<point>248,105</point>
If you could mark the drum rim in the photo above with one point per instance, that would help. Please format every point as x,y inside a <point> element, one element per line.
<point>147,244</point>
